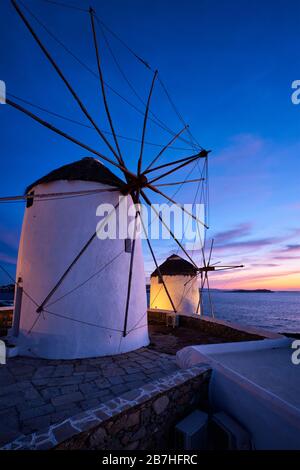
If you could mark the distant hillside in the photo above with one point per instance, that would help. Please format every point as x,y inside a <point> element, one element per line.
<point>7,288</point>
<point>254,291</point>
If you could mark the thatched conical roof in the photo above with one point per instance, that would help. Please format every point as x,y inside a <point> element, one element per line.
<point>176,266</point>
<point>86,169</point>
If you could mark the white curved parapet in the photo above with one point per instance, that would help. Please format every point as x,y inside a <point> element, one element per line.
<point>194,355</point>
<point>257,384</point>
<point>2,92</point>
<point>2,352</point>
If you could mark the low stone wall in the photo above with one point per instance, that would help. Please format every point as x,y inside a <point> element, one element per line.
<point>157,316</point>
<point>149,424</point>
<point>212,327</point>
<point>143,418</point>
<point>6,316</point>
<point>219,329</point>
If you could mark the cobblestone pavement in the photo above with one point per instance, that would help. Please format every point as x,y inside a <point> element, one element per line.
<point>35,393</point>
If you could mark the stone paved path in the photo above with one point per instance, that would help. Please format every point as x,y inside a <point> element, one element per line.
<point>35,393</point>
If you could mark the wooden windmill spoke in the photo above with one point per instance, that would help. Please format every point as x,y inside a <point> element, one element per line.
<point>210,252</point>
<point>202,154</point>
<point>226,268</point>
<point>166,226</point>
<point>72,264</point>
<point>51,196</point>
<point>120,158</point>
<point>153,188</point>
<point>180,182</point>
<point>156,264</point>
<point>165,148</point>
<point>67,136</point>
<point>130,275</point>
<point>62,76</point>
<point>156,119</point>
<point>145,123</point>
<point>185,159</point>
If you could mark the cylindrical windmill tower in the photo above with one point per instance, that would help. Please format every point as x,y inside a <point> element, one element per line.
<point>85,314</point>
<point>180,280</point>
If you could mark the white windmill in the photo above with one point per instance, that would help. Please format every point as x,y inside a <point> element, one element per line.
<point>76,296</point>
<point>80,306</point>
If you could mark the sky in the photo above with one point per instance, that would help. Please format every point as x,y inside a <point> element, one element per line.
<point>228,66</point>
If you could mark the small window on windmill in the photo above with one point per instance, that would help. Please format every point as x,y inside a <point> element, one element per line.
<point>127,245</point>
<point>29,201</point>
<point>160,280</point>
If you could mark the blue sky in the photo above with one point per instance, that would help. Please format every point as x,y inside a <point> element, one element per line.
<point>229,67</point>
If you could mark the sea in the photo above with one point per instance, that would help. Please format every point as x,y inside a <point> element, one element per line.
<point>276,311</point>
<point>6,299</point>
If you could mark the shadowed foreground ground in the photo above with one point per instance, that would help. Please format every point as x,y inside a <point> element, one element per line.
<point>167,340</point>
<point>35,393</point>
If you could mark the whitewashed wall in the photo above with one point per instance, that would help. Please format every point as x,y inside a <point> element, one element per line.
<point>53,233</point>
<point>184,297</point>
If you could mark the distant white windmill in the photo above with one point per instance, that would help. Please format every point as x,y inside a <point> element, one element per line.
<point>175,272</point>
<point>184,292</point>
